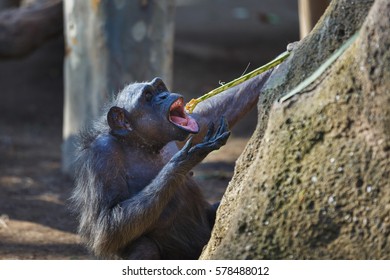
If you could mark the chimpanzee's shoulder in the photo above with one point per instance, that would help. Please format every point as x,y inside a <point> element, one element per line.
<point>102,155</point>
<point>106,146</point>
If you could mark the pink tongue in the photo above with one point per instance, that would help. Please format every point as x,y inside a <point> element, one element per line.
<point>179,120</point>
<point>193,125</point>
<point>189,123</point>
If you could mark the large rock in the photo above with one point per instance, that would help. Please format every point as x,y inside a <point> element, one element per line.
<point>313,182</point>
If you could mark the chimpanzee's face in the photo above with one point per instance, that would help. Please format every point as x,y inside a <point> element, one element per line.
<point>155,113</point>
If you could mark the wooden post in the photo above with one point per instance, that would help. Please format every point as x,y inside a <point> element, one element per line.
<point>108,45</point>
<point>310,12</point>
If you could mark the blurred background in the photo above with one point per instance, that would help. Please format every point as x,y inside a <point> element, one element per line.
<point>214,41</point>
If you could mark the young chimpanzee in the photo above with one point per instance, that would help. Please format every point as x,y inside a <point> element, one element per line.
<point>134,193</point>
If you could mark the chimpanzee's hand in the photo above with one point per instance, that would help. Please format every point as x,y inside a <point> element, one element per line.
<point>189,155</point>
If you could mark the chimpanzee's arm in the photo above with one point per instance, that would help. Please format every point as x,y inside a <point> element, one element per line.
<point>233,104</point>
<point>121,219</point>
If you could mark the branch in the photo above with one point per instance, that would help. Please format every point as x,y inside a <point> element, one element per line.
<point>24,29</point>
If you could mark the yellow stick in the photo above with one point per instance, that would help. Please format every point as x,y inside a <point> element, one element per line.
<point>190,106</point>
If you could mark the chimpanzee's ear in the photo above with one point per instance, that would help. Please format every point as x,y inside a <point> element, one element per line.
<point>117,119</point>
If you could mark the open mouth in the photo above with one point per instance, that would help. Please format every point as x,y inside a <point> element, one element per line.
<point>178,117</point>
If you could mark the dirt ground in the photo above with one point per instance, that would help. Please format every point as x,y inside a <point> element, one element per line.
<point>35,222</point>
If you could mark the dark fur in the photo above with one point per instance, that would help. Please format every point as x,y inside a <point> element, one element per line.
<point>133,194</point>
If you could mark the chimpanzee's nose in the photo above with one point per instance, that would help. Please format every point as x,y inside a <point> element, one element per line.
<point>162,96</point>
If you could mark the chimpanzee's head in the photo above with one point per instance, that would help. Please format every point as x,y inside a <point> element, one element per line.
<point>152,113</point>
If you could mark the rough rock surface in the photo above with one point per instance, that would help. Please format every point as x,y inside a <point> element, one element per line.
<point>314,182</point>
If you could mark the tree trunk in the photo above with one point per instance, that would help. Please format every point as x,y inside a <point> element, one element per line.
<point>6,4</point>
<point>108,45</point>
<point>314,180</point>
<point>24,29</point>
<point>309,13</point>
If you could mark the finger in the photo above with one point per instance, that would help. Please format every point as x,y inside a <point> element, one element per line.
<point>188,144</point>
<point>193,149</point>
<point>219,142</point>
<point>209,132</point>
<point>225,124</point>
<point>223,138</point>
<point>200,148</point>
<point>222,127</point>
<point>215,144</point>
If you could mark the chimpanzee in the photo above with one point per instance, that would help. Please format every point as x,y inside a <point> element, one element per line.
<point>134,193</point>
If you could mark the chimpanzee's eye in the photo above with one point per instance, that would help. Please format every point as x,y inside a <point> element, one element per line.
<point>148,96</point>
<point>147,92</point>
